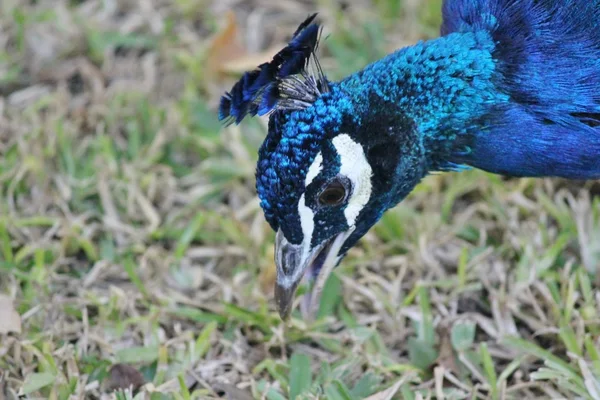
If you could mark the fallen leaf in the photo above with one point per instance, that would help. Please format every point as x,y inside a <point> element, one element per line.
<point>10,320</point>
<point>446,357</point>
<point>123,376</point>
<point>224,47</point>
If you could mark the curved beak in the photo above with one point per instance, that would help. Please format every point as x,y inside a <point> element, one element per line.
<point>291,261</point>
<point>294,261</point>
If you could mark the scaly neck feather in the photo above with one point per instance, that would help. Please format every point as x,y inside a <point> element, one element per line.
<point>445,86</point>
<point>510,90</point>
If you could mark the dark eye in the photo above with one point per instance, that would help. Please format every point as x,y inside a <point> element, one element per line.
<point>333,194</point>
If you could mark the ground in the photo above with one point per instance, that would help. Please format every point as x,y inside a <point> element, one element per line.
<point>133,251</point>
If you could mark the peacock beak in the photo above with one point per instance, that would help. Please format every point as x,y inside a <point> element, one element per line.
<point>293,262</point>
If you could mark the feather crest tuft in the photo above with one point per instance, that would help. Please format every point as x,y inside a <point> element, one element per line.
<point>293,80</point>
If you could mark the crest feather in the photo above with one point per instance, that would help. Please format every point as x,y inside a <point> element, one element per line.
<point>291,81</point>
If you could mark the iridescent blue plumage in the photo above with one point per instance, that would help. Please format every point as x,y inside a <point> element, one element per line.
<point>548,62</point>
<point>512,87</point>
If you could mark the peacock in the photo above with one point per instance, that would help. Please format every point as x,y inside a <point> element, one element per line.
<point>511,87</point>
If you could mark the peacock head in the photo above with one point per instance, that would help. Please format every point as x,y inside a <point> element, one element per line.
<point>329,166</point>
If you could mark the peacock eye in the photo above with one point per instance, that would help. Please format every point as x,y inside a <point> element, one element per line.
<point>334,194</point>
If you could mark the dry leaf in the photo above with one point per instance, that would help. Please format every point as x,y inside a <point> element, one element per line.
<point>10,320</point>
<point>224,48</point>
<point>446,354</point>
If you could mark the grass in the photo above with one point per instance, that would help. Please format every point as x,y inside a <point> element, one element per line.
<point>134,254</point>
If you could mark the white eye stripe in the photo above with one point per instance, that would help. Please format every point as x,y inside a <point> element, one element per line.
<point>355,166</point>
<point>306,214</point>
<point>315,168</point>
<point>306,222</point>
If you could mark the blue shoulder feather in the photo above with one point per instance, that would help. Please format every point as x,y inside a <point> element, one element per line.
<point>547,54</point>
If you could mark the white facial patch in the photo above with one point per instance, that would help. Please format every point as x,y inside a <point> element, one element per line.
<point>354,165</point>
<point>306,214</point>
<point>306,222</point>
<point>314,169</point>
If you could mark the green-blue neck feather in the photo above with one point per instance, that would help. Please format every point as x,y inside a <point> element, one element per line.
<point>443,85</point>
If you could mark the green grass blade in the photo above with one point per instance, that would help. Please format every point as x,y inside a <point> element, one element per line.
<point>300,374</point>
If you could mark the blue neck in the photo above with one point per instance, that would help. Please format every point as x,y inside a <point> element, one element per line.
<point>442,85</point>
<point>454,90</point>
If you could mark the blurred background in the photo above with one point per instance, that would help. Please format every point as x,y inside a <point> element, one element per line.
<point>133,251</point>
